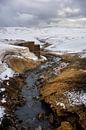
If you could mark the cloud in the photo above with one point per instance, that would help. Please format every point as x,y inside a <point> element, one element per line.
<point>38,12</point>
<point>68,12</point>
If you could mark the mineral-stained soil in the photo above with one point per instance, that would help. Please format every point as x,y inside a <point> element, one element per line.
<point>20,65</point>
<point>66,95</point>
<point>65,126</point>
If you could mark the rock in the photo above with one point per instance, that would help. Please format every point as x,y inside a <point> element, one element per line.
<point>32,47</point>
<point>23,128</point>
<point>12,128</point>
<point>39,128</point>
<point>51,119</point>
<point>36,97</point>
<point>20,121</point>
<point>41,77</point>
<point>65,126</point>
<point>6,122</point>
<point>6,76</point>
<point>41,116</point>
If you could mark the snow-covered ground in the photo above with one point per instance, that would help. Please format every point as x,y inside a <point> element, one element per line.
<point>6,72</point>
<point>61,39</point>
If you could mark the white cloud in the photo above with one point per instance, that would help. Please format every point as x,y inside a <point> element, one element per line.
<point>68,11</point>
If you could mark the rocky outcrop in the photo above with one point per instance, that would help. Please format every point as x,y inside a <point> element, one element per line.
<point>32,47</point>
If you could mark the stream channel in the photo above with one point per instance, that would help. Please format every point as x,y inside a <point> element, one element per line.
<point>27,114</point>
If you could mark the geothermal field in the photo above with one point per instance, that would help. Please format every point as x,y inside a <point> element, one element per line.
<point>45,88</point>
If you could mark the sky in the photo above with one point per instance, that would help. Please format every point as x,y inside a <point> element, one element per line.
<point>42,12</point>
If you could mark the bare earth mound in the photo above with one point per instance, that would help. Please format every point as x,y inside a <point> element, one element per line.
<point>66,95</point>
<point>20,65</point>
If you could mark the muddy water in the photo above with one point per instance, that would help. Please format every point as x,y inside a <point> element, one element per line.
<point>27,114</point>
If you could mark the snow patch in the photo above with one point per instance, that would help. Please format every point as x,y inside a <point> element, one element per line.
<point>2,112</point>
<point>7,73</point>
<point>60,67</point>
<point>76,97</point>
<point>2,89</point>
<point>83,55</point>
<point>43,58</point>
<point>3,100</point>
<point>61,104</point>
<point>6,49</point>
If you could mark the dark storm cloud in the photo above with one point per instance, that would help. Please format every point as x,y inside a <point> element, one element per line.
<point>38,12</point>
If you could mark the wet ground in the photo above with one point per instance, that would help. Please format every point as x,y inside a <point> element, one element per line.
<point>34,114</point>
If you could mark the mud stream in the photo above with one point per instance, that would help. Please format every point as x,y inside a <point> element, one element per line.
<point>28,114</point>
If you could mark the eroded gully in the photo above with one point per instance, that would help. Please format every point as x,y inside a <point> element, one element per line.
<point>34,114</point>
